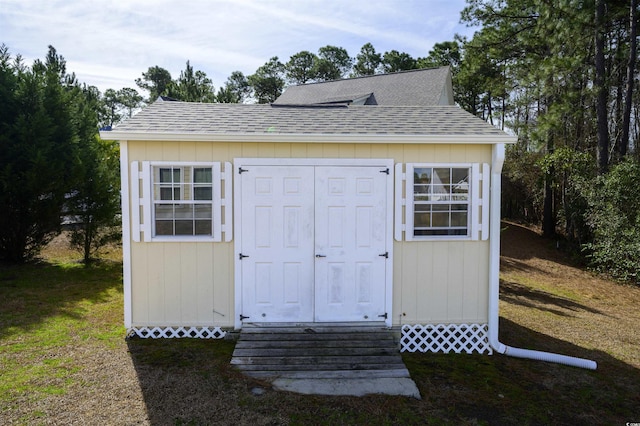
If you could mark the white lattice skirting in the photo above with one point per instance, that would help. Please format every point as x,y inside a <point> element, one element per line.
<point>177,332</point>
<point>458,338</point>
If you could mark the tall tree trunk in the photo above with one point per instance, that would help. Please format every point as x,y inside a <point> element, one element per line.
<point>548,210</point>
<point>601,102</point>
<point>628,98</point>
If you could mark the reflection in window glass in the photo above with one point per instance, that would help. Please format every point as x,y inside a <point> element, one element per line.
<point>175,191</point>
<point>441,201</point>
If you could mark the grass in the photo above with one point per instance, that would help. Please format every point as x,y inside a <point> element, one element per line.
<point>64,359</point>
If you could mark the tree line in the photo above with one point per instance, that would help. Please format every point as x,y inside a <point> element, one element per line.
<point>264,85</point>
<point>53,165</point>
<point>562,76</point>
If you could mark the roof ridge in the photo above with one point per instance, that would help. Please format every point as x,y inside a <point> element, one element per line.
<point>361,77</point>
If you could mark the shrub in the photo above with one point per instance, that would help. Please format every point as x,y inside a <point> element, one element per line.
<point>614,218</point>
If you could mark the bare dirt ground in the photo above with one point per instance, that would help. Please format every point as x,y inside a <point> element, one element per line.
<point>565,300</point>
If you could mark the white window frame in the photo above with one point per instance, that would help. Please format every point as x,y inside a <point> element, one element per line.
<point>478,202</point>
<point>143,202</point>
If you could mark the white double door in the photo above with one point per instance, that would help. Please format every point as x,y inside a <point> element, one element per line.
<point>313,243</point>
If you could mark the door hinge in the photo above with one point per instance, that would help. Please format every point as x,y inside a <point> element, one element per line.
<point>241,170</point>
<point>385,171</point>
<point>383,316</point>
<point>242,317</point>
<point>385,255</point>
<point>242,256</point>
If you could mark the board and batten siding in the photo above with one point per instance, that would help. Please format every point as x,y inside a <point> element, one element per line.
<point>192,283</point>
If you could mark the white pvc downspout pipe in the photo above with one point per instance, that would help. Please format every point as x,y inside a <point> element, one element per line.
<point>494,278</point>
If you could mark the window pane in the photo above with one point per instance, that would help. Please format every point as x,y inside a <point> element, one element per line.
<point>203,227</point>
<point>202,175</point>
<point>176,176</point>
<point>441,207</point>
<point>459,219</point>
<point>184,227</point>
<point>202,193</point>
<point>440,232</point>
<point>459,207</point>
<point>164,211</point>
<point>166,193</point>
<point>164,227</point>
<point>422,220</point>
<point>442,175</point>
<point>183,211</point>
<point>440,220</point>
<point>459,175</point>
<point>422,175</point>
<point>460,186</point>
<point>165,175</point>
<point>203,211</point>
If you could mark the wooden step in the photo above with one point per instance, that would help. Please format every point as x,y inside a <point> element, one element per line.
<point>320,351</point>
<point>329,374</point>
<point>310,360</point>
<point>293,344</point>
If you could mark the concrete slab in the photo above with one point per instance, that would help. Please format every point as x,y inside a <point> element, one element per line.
<point>350,387</point>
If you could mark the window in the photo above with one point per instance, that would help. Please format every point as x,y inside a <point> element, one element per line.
<point>179,201</point>
<point>183,200</point>
<point>442,201</point>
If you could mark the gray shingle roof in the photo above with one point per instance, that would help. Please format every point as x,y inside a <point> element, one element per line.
<point>417,87</point>
<point>186,118</point>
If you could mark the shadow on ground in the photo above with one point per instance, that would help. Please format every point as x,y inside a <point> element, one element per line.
<point>31,293</point>
<point>521,295</point>
<point>518,242</point>
<point>190,381</point>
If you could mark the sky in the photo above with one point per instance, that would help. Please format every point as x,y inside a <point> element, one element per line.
<point>110,43</point>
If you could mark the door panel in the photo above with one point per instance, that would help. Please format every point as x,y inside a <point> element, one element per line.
<point>277,236</point>
<point>350,204</point>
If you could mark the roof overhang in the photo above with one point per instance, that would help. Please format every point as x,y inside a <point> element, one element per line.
<point>309,138</point>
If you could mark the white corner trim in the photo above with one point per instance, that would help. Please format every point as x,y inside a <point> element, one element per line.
<point>227,201</point>
<point>399,203</point>
<point>237,245</point>
<point>146,199</point>
<point>475,207</point>
<point>485,202</point>
<point>135,198</point>
<point>126,233</point>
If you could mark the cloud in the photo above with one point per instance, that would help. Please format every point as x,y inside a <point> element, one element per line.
<point>110,43</point>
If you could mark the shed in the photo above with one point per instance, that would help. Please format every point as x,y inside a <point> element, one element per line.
<point>310,213</point>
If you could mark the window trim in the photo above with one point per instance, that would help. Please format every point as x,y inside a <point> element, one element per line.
<point>411,204</point>
<point>187,197</point>
<point>142,195</point>
<point>477,210</point>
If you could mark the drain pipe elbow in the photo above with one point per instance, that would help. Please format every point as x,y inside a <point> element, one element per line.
<point>551,357</point>
<point>494,279</point>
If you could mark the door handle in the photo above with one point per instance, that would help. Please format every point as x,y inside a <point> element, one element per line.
<point>320,255</point>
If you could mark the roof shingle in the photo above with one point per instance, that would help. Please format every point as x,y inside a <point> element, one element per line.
<point>415,87</point>
<point>239,119</point>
